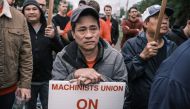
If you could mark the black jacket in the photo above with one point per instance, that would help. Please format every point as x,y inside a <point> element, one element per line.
<point>140,72</point>
<point>114,30</point>
<point>177,35</point>
<point>42,48</point>
<point>171,89</point>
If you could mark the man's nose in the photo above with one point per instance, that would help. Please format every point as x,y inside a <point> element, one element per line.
<point>31,11</point>
<point>164,21</point>
<point>88,34</point>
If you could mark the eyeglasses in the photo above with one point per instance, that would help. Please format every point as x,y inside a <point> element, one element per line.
<point>134,11</point>
<point>84,30</point>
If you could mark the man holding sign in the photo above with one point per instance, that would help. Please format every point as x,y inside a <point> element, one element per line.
<point>88,59</point>
<point>143,55</point>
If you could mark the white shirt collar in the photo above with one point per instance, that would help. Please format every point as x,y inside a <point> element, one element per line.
<point>6,9</point>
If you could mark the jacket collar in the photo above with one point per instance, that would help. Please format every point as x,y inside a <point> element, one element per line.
<point>105,18</point>
<point>6,10</point>
<point>75,57</point>
<point>144,39</point>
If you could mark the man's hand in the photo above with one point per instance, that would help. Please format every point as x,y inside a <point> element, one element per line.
<point>60,32</point>
<point>113,45</point>
<point>23,93</point>
<point>138,30</point>
<point>149,51</point>
<point>126,27</point>
<point>86,76</point>
<point>49,31</point>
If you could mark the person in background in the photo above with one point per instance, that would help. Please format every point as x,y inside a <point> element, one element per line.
<point>180,34</point>
<point>104,29</point>
<point>112,24</point>
<point>44,42</point>
<point>42,4</point>
<point>66,33</point>
<point>81,3</point>
<point>15,56</point>
<point>88,59</point>
<point>61,19</point>
<point>11,2</point>
<point>131,26</point>
<point>143,55</point>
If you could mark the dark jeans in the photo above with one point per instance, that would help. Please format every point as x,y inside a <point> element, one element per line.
<point>40,89</point>
<point>6,101</point>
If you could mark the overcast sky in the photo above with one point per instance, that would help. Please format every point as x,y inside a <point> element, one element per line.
<point>116,4</point>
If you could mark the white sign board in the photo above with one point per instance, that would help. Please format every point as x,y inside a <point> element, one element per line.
<point>105,95</point>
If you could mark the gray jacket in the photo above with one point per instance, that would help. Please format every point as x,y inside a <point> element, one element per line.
<point>109,63</point>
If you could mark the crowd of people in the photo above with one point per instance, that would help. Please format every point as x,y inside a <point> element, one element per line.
<point>79,46</point>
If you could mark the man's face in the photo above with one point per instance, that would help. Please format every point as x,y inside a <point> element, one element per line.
<point>63,7</point>
<point>32,13</point>
<point>133,14</point>
<point>152,24</point>
<point>108,11</point>
<point>86,33</point>
<point>42,4</point>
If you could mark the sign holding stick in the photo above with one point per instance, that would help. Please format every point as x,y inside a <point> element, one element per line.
<point>50,12</point>
<point>161,15</point>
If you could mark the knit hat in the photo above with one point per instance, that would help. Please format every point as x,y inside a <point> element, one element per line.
<point>34,2</point>
<point>31,2</point>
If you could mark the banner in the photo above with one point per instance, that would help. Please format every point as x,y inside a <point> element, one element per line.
<point>105,95</point>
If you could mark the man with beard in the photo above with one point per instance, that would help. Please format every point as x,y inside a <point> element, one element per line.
<point>132,26</point>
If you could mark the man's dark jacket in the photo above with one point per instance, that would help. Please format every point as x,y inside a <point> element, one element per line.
<point>140,72</point>
<point>42,48</point>
<point>171,89</point>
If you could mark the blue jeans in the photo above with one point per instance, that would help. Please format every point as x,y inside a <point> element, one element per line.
<point>41,89</point>
<point>6,101</point>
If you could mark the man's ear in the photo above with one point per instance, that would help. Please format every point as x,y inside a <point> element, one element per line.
<point>145,24</point>
<point>188,22</point>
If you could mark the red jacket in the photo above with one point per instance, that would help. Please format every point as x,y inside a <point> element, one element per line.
<point>131,29</point>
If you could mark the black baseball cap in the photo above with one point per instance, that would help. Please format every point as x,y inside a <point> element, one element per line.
<point>81,10</point>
